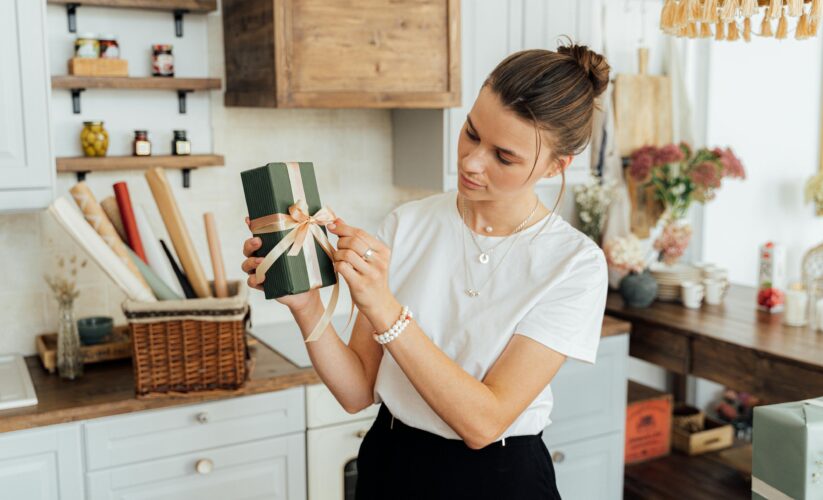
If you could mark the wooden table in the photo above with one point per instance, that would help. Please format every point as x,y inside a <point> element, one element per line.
<point>733,344</point>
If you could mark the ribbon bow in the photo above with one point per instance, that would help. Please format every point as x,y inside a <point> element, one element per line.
<point>299,224</point>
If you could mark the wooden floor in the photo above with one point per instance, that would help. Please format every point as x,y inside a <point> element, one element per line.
<point>684,478</point>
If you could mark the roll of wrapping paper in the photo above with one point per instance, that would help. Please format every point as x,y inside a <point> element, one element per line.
<point>188,291</point>
<point>157,259</point>
<point>176,228</point>
<point>160,289</point>
<point>121,193</point>
<point>109,205</point>
<point>95,216</point>
<point>221,289</point>
<point>97,249</point>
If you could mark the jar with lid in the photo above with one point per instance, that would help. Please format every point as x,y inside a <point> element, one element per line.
<point>180,145</point>
<point>162,61</point>
<point>87,46</point>
<point>109,48</point>
<point>94,139</point>
<point>141,145</point>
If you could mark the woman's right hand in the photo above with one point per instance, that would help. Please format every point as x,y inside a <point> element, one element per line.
<point>293,302</point>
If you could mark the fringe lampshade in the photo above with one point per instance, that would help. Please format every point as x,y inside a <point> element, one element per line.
<point>730,18</point>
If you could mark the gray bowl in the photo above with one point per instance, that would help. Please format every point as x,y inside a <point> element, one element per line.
<point>94,329</point>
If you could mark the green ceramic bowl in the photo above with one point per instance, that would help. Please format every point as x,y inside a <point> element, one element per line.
<point>94,329</point>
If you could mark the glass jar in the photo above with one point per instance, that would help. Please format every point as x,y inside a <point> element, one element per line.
<point>109,48</point>
<point>86,45</point>
<point>141,145</point>
<point>69,357</point>
<point>180,145</point>
<point>162,61</point>
<point>94,139</point>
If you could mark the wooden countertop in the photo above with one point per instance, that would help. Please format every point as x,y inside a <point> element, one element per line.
<point>107,388</point>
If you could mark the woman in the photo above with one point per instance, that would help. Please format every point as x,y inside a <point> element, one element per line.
<point>465,321</point>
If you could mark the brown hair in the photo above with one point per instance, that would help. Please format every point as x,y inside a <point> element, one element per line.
<point>556,91</point>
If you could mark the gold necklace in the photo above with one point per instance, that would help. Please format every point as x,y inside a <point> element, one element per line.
<point>485,255</point>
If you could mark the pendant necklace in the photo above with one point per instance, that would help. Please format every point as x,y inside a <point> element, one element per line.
<point>471,290</point>
<point>485,255</point>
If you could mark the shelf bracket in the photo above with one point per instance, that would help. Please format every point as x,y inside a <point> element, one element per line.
<point>75,100</point>
<point>81,176</point>
<point>181,100</point>
<point>178,21</point>
<point>187,177</point>
<point>71,13</point>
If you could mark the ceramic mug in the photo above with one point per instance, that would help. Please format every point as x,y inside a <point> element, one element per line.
<point>714,290</point>
<point>691,294</point>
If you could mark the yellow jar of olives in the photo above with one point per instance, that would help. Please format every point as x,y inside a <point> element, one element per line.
<point>94,139</point>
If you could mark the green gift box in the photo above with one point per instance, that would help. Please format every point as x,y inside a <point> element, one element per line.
<point>787,460</point>
<point>273,189</point>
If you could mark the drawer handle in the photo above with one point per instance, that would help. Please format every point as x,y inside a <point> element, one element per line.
<point>558,457</point>
<point>361,433</point>
<point>204,466</point>
<point>203,417</point>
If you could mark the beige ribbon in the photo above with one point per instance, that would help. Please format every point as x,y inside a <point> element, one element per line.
<point>300,224</point>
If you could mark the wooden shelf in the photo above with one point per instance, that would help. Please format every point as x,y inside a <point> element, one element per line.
<point>110,163</point>
<point>130,82</point>
<point>169,5</point>
<point>183,86</point>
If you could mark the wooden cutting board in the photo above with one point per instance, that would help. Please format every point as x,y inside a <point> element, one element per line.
<point>642,108</point>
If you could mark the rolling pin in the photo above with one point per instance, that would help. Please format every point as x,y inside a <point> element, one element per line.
<point>161,190</point>
<point>221,289</point>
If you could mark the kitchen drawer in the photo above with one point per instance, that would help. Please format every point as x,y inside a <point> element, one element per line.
<point>591,468</point>
<point>154,434</point>
<point>272,469</point>
<point>322,409</point>
<point>590,400</point>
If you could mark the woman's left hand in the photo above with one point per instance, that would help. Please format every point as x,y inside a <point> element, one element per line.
<point>367,277</point>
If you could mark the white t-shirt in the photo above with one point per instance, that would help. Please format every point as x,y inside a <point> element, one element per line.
<point>552,290</point>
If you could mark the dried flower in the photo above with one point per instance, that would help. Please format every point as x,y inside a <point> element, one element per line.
<point>64,283</point>
<point>673,241</point>
<point>707,175</point>
<point>642,162</point>
<point>625,254</point>
<point>592,202</point>
<point>730,163</point>
<point>670,153</point>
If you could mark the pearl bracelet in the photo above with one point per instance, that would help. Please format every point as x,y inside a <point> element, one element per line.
<point>396,329</point>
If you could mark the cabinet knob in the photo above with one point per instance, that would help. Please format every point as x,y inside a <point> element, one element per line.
<point>203,417</point>
<point>204,466</point>
<point>361,433</point>
<point>558,457</point>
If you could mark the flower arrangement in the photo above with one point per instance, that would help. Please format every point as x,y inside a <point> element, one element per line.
<point>681,176</point>
<point>814,192</point>
<point>591,200</point>
<point>62,285</point>
<point>625,254</point>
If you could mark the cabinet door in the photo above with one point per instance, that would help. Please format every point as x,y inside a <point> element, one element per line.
<point>274,469</point>
<point>331,54</point>
<point>26,165</point>
<point>330,451</point>
<point>41,464</point>
<point>592,468</point>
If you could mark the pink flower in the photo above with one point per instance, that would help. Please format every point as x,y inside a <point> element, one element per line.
<point>642,163</point>
<point>707,175</point>
<point>732,167</point>
<point>673,241</point>
<point>670,153</point>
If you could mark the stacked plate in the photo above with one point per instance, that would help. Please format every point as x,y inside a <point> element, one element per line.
<point>669,279</point>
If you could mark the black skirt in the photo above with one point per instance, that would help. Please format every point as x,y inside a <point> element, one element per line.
<point>396,461</point>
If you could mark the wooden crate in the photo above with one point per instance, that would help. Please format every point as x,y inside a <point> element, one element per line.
<point>117,346</point>
<point>83,66</point>
<point>716,435</point>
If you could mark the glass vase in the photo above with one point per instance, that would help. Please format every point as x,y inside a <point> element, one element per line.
<point>69,360</point>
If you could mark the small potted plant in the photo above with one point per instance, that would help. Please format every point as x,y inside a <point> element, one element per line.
<point>625,255</point>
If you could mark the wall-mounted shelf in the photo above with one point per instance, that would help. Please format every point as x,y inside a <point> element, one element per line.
<point>81,165</point>
<point>183,86</point>
<point>176,7</point>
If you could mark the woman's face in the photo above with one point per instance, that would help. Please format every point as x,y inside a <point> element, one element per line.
<point>496,152</point>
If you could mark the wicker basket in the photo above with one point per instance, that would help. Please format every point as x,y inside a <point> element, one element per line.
<point>193,345</point>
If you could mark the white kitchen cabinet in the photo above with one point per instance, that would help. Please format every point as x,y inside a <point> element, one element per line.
<point>27,167</point>
<point>591,468</point>
<point>42,464</point>
<point>425,140</point>
<point>274,469</point>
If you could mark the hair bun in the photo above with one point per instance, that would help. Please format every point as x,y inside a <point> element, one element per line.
<point>594,64</point>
